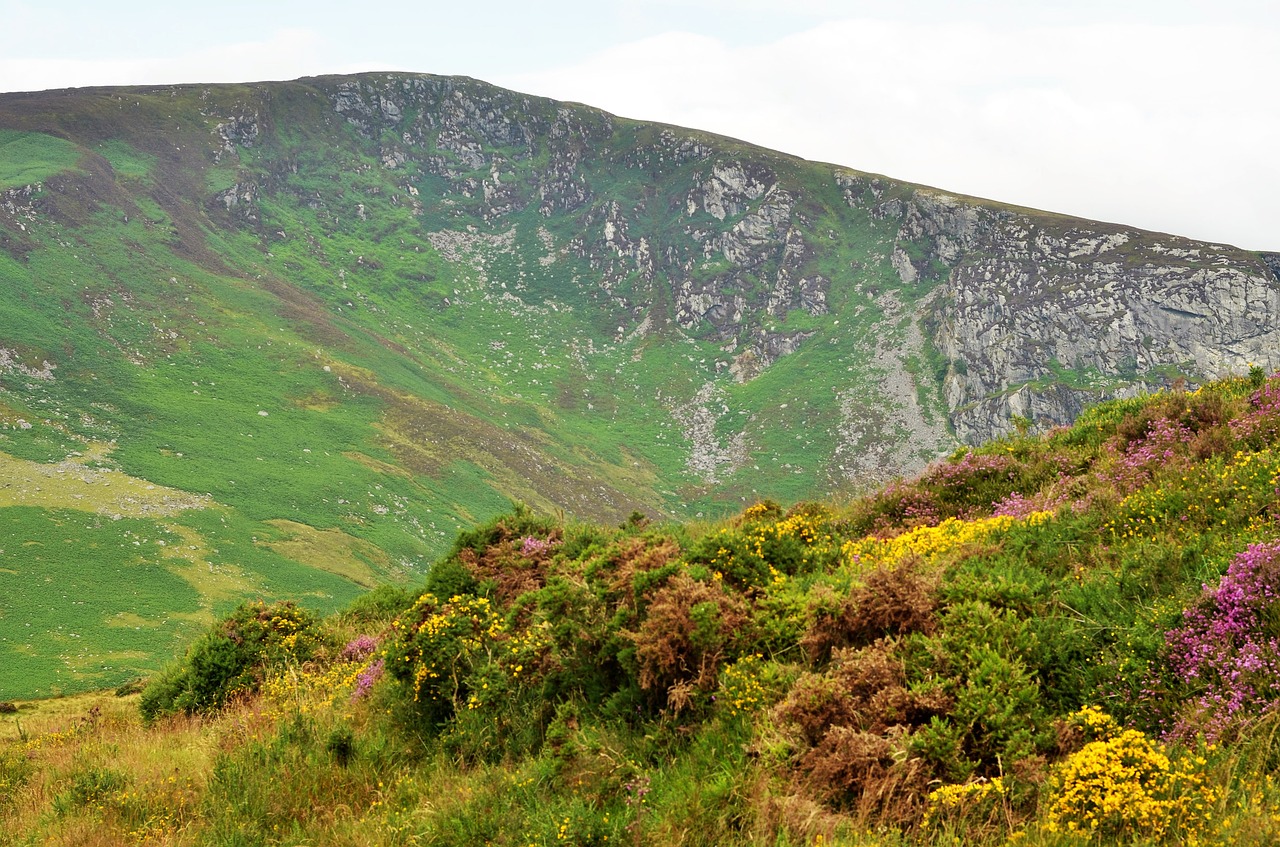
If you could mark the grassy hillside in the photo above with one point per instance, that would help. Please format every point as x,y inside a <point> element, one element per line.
<point>242,357</point>
<point>287,340</point>
<point>1061,639</point>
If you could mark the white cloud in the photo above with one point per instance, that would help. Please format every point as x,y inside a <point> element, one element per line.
<point>286,54</point>
<point>1166,126</point>
<point>1163,127</point>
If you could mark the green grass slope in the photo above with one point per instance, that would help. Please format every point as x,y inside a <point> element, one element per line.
<point>325,366</point>
<point>1054,640</point>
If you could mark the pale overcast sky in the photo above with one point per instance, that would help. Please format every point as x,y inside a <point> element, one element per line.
<point>1161,115</point>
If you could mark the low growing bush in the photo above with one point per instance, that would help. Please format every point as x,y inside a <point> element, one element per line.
<point>233,658</point>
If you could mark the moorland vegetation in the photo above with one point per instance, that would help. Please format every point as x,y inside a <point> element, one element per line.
<point>1071,638</point>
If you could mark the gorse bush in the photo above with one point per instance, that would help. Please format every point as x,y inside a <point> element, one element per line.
<point>1124,786</point>
<point>443,650</point>
<point>233,658</point>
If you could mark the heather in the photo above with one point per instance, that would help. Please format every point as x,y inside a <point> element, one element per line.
<point>1059,639</point>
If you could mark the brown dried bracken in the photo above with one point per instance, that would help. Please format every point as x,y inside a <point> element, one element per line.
<point>513,568</point>
<point>688,629</point>
<point>891,602</point>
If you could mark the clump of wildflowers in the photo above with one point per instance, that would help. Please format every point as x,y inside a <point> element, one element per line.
<point>957,800</point>
<point>930,542</point>
<point>367,679</point>
<point>1125,785</point>
<point>1261,424</point>
<point>741,688</point>
<point>531,546</point>
<point>1227,645</point>
<point>1137,462</point>
<point>1017,506</point>
<point>358,649</point>
<point>767,546</point>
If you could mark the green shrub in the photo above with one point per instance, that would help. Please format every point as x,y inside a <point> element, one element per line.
<point>232,658</point>
<point>379,605</point>
<point>985,656</point>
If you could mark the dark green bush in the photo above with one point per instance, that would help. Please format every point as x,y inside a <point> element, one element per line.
<point>232,658</point>
<point>379,605</point>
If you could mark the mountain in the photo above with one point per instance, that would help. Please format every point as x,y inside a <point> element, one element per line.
<point>285,339</point>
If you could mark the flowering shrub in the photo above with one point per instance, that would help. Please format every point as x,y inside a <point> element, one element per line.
<point>1229,645</point>
<point>763,510</point>
<point>1125,785</point>
<point>958,800</point>
<point>766,547</point>
<point>233,658</point>
<point>358,649</point>
<point>531,546</point>
<point>438,645</point>
<point>461,654</point>
<point>309,689</point>
<point>905,504</point>
<point>1018,506</point>
<point>975,481</point>
<point>368,678</point>
<point>1261,423</point>
<point>1135,462</point>
<point>741,688</point>
<point>929,542</point>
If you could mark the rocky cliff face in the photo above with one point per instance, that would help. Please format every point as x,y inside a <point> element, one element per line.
<point>720,283</point>
<point>1038,316</point>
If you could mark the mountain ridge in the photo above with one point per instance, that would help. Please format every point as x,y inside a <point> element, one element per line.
<point>357,314</point>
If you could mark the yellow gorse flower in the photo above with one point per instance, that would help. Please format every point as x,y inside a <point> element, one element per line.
<point>930,542</point>
<point>1127,784</point>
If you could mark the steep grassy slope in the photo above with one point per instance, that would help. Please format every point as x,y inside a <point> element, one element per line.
<point>290,338</point>
<point>1052,640</point>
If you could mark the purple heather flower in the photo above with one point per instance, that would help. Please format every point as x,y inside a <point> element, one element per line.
<point>358,649</point>
<point>1223,644</point>
<point>532,546</point>
<point>367,679</point>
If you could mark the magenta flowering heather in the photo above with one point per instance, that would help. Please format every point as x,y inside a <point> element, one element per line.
<point>1017,506</point>
<point>1262,421</point>
<point>531,546</point>
<point>910,505</point>
<point>1228,645</point>
<point>358,649</point>
<point>958,481</point>
<point>1141,458</point>
<point>368,678</point>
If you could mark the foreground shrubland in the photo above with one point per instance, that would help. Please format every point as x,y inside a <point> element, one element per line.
<point>1066,639</point>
